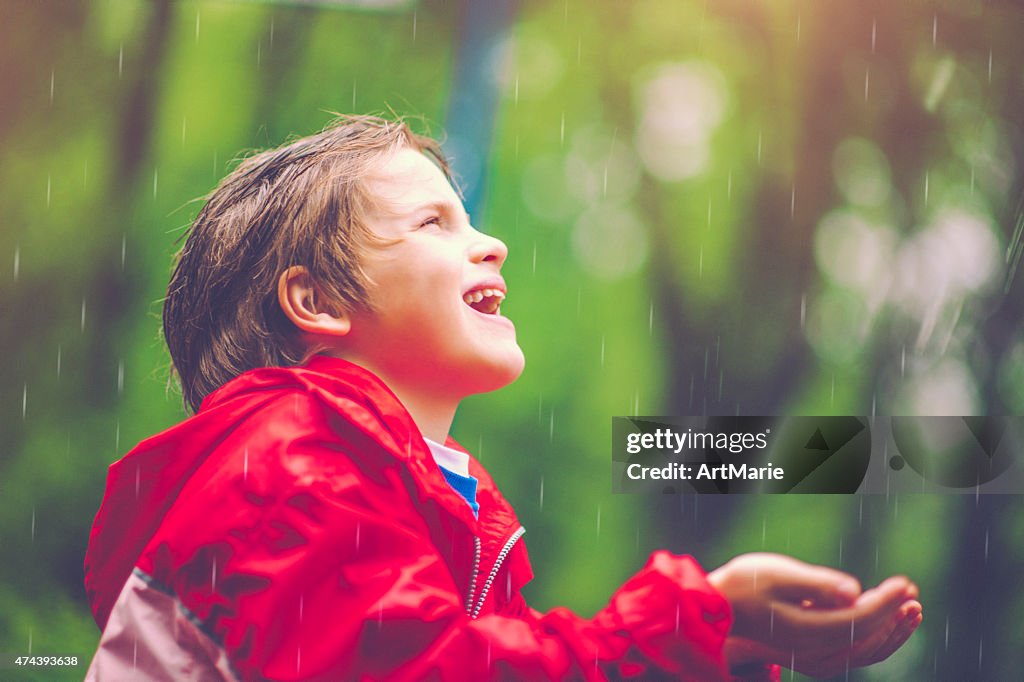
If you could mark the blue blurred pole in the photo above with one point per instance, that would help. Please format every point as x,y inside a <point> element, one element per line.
<point>473,104</point>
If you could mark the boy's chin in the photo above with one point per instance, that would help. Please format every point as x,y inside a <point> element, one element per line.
<point>497,375</point>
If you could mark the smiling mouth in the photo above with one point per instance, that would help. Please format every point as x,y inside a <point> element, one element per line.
<point>486,301</point>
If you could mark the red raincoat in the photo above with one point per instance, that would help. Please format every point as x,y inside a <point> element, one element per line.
<point>297,527</point>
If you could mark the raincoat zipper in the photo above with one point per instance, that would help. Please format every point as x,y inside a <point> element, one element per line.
<point>471,610</point>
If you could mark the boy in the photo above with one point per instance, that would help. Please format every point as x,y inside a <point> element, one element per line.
<point>329,309</point>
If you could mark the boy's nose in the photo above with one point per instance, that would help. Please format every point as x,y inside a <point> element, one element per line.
<point>486,248</point>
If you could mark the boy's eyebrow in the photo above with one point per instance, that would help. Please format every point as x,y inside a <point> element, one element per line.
<point>439,207</point>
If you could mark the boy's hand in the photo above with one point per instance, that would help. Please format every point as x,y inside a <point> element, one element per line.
<point>811,618</point>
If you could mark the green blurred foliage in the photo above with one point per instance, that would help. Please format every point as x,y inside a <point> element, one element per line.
<point>664,174</point>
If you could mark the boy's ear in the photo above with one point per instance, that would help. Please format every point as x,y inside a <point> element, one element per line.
<point>302,303</point>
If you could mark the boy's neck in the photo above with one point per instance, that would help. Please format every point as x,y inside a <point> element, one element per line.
<point>432,413</point>
<point>433,417</point>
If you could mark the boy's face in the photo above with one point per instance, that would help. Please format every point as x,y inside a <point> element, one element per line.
<point>435,325</point>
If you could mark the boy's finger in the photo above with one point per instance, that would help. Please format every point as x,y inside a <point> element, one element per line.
<point>897,638</point>
<point>875,609</point>
<point>817,586</point>
<point>881,644</point>
<point>880,603</point>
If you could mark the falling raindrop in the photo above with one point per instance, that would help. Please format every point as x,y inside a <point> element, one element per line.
<point>541,499</point>
<point>515,96</point>
<point>700,263</point>
<point>24,401</point>
<point>709,213</point>
<point>935,28</point>
<point>58,359</point>
<point>414,21</point>
<point>903,361</point>
<point>990,66</point>
<point>867,82</point>
<point>49,187</point>
<point>728,186</point>
<point>245,465</point>
<point>980,643</point>
<point>551,427</point>
<point>124,248</point>
<point>759,138</point>
<point>82,323</point>
<point>353,94</point>
<point>213,575</point>
<point>120,377</point>
<point>33,531</point>
<point>874,33</point>
<point>120,61</point>
<point>301,596</point>
<point>17,261</point>
<point>561,131</point>
<point>803,310</point>
<point>534,257</point>
<point>53,75</point>
<point>156,176</point>
<point>926,188</point>
<point>947,633</point>
<point>650,320</point>
<point>598,533</point>
<point>197,26</point>
<point>602,350</point>
<point>792,201</point>
<point>117,437</point>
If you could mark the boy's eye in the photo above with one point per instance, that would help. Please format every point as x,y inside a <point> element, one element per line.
<point>433,220</point>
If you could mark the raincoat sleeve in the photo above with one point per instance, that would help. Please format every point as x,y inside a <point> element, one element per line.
<point>319,560</point>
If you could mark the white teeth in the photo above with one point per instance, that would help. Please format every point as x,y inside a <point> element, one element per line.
<point>478,295</point>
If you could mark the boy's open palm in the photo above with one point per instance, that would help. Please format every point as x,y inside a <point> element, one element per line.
<point>813,619</point>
